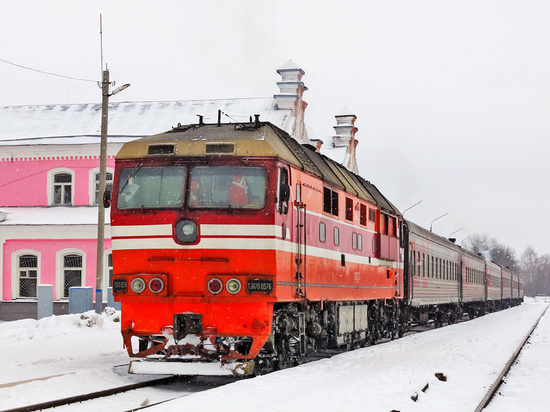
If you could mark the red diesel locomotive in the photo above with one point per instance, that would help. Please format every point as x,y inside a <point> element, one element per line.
<point>236,250</point>
<point>233,243</point>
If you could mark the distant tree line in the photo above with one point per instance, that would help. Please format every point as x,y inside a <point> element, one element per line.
<point>534,270</point>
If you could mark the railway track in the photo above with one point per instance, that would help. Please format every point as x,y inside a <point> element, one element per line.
<point>500,378</point>
<point>172,387</point>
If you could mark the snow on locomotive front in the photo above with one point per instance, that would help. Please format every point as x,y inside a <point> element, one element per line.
<point>195,248</point>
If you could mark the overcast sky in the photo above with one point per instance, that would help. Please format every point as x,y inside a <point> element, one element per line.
<point>452,97</point>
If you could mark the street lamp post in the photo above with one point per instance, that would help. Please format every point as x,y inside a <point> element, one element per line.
<point>416,204</point>
<point>439,217</point>
<point>102,183</point>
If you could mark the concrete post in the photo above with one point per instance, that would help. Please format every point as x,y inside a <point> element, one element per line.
<point>81,299</point>
<point>44,307</point>
<point>111,300</point>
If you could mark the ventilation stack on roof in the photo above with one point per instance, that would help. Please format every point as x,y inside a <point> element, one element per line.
<point>291,90</point>
<point>345,137</point>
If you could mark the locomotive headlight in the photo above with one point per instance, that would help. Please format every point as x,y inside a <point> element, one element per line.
<point>138,285</point>
<point>186,231</point>
<point>233,286</point>
<point>156,285</point>
<point>215,286</point>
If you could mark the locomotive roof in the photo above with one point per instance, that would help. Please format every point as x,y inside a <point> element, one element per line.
<point>261,139</point>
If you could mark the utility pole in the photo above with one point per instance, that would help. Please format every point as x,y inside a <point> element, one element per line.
<point>101,206</point>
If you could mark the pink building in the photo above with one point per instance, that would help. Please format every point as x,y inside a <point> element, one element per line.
<point>49,164</point>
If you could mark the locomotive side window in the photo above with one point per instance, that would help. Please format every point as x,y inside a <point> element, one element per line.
<point>363,215</point>
<point>349,209</point>
<point>360,242</point>
<point>283,191</point>
<point>336,236</point>
<point>322,232</point>
<point>240,187</point>
<point>354,241</point>
<point>330,201</point>
<point>151,187</point>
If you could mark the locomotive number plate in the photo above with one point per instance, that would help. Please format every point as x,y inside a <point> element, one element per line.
<point>120,286</point>
<point>259,286</point>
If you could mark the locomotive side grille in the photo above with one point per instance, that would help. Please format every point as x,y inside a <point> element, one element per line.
<point>220,148</point>
<point>161,149</point>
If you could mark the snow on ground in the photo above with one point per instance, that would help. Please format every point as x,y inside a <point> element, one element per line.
<point>85,350</point>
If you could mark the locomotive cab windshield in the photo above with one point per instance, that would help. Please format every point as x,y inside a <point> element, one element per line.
<point>225,187</point>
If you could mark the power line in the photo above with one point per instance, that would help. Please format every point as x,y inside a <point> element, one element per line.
<point>48,73</point>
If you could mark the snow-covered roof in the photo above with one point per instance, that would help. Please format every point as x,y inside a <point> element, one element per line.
<point>32,216</point>
<point>76,123</point>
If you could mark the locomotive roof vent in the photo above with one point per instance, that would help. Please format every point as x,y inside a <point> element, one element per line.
<point>220,148</point>
<point>161,149</point>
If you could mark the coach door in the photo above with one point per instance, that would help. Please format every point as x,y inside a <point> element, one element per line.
<point>301,243</point>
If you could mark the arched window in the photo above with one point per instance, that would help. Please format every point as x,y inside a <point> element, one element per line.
<point>27,275</point>
<point>60,187</point>
<point>71,264</point>
<point>95,196</point>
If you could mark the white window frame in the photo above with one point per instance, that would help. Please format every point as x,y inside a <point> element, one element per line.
<point>92,183</point>
<point>106,273</point>
<point>60,275</point>
<point>50,188</point>
<point>15,270</point>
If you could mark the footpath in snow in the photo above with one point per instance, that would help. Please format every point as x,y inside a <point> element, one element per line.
<point>78,354</point>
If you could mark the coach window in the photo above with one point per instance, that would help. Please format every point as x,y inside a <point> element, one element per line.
<point>413,263</point>
<point>336,236</point>
<point>322,232</point>
<point>423,265</point>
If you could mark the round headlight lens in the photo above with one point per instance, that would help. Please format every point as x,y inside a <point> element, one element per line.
<point>138,285</point>
<point>233,286</point>
<point>215,286</point>
<point>156,285</point>
<point>186,231</point>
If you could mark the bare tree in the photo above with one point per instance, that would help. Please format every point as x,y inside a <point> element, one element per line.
<point>490,249</point>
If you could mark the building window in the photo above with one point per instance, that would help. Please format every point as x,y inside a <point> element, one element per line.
<point>72,272</point>
<point>60,187</point>
<point>95,196</point>
<point>27,271</point>
<point>110,269</point>
<point>322,232</point>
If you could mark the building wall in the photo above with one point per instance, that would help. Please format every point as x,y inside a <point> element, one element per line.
<point>25,181</point>
<point>49,252</point>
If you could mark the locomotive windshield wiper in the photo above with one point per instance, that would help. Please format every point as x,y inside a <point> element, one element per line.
<point>134,172</point>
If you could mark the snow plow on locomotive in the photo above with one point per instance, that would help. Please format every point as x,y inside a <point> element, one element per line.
<point>233,243</point>
<point>236,250</point>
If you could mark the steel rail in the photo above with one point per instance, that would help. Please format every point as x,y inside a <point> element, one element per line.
<point>498,381</point>
<point>89,396</point>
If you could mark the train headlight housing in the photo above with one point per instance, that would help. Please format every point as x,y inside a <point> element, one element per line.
<point>137,285</point>
<point>186,231</point>
<point>156,285</point>
<point>233,286</point>
<point>215,286</point>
